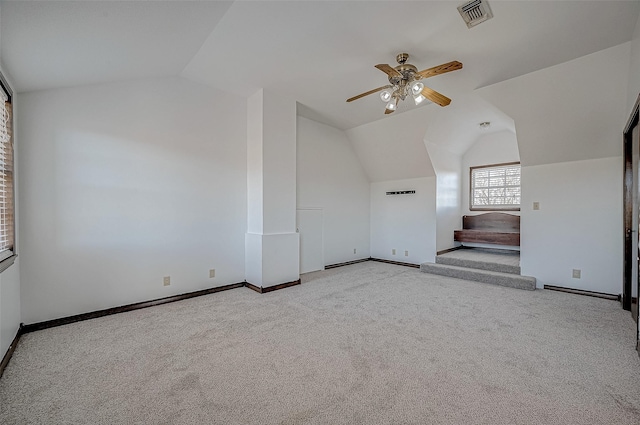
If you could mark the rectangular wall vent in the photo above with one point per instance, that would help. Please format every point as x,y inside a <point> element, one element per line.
<point>402,192</point>
<point>475,12</point>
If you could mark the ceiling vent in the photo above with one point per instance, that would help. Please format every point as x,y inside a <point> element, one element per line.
<point>475,12</point>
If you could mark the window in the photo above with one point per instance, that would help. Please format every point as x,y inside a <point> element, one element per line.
<point>495,187</point>
<point>7,225</point>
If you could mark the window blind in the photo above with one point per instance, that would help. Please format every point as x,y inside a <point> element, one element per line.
<point>495,187</point>
<point>6,177</point>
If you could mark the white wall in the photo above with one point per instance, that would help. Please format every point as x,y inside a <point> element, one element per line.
<point>272,249</point>
<point>569,120</point>
<point>9,306</point>
<point>404,222</point>
<point>331,177</point>
<point>448,176</point>
<point>493,148</point>
<point>10,278</point>
<point>279,163</point>
<point>122,184</point>
<point>578,226</point>
<point>255,168</point>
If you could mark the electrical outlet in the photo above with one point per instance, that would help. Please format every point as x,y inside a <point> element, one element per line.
<point>406,253</point>
<point>354,250</point>
<point>212,273</point>
<point>393,252</point>
<point>166,281</point>
<point>576,273</point>
<point>536,205</point>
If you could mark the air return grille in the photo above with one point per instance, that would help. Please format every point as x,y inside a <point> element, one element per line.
<point>475,12</point>
<point>402,192</point>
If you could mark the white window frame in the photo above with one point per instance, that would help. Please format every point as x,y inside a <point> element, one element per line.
<point>504,187</point>
<point>9,254</point>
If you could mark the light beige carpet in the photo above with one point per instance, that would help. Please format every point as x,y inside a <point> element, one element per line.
<point>369,343</point>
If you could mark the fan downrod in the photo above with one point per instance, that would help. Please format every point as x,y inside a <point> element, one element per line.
<point>402,58</point>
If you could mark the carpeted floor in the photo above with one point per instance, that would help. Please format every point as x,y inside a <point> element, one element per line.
<point>499,256</point>
<point>369,343</point>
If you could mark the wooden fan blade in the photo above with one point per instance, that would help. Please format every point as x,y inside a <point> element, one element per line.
<point>387,69</point>
<point>435,97</point>
<point>441,69</point>
<point>367,93</point>
<point>388,111</point>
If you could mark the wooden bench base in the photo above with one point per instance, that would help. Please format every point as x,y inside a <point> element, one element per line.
<point>490,228</point>
<point>490,237</point>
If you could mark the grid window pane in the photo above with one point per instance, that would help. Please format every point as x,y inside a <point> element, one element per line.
<point>496,186</point>
<point>6,177</point>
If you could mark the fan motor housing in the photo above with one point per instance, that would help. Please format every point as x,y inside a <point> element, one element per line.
<point>407,70</point>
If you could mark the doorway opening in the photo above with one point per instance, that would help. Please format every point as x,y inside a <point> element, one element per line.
<point>631,213</point>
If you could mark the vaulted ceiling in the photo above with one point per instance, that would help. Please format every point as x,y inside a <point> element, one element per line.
<point>316,52</point>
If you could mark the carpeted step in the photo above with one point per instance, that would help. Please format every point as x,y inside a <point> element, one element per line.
<point>480,265</point>
<point>485,276</point>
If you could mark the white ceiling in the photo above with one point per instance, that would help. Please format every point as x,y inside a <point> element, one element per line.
<point>581,124</point>
<point>50,44</point>
<point>316,52</point>
<point>393,149</point>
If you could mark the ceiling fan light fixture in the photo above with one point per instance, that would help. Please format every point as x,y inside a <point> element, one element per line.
<point>404,82</point>
<point>392,105</point>
<point>416,87</point>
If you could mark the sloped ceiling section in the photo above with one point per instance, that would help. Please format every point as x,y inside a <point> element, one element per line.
<point>393,148</point>
<point>52,44</point>
<point>457,127</point>
<point>317,52</point>
<point>323,52</point>
<point>568,112</point>
<point>634,75</point>
<point>397,146</point>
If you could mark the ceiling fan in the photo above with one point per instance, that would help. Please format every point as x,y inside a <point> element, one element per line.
<point>405,79</point>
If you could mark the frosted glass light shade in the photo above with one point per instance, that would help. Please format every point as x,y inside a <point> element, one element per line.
<point>416,87</point>
<point>391,105</point>
<point>385,95</point>
<point>418,99</point>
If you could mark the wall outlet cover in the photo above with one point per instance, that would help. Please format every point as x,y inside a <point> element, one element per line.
<point>166,281</point>
<point>393,252</point>
<point>212,273</point>
<point>576,273</point>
